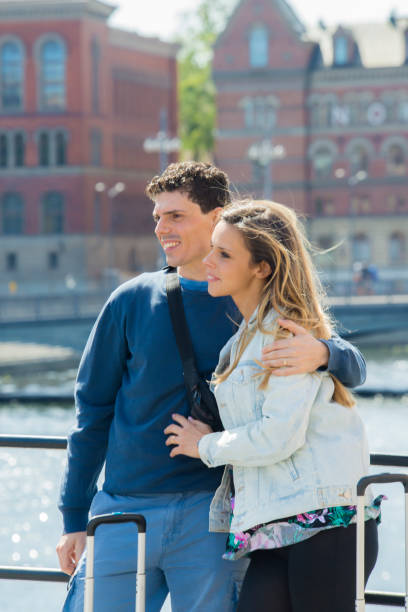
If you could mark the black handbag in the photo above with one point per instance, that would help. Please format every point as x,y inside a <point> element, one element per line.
<point>203,405</point>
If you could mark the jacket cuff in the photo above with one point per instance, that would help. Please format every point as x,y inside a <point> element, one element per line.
<point>329,365</point>
<point>204,448</point>
<point>74,520</point>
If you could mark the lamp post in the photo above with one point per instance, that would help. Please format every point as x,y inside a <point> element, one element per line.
<point>111,193</point>
<point>264,153</point>
<point>164,145</point>
<point>352,182</point>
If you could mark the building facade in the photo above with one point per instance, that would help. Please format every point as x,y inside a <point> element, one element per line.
<point>319,119</point>
<point>78,98</point>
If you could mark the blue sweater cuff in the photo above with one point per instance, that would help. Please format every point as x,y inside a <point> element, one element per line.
<point>74,520</point>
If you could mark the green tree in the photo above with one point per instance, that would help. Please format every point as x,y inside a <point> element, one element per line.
<point>197,109</point>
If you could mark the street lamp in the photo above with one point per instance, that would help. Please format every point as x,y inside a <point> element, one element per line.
<point>111,192</point>
<point>264,153</point>
<point>162,143</point>
<point>352,181</point>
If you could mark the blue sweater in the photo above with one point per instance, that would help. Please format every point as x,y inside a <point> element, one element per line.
<point>130,382</point>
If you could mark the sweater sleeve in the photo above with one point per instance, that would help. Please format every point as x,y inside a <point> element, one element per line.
<point>345,362</point>
<point>279,432</point>
<point>99,379</point>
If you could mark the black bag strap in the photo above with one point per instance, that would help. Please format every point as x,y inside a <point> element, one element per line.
<point>181,330</point>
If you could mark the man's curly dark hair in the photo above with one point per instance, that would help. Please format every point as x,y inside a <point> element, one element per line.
<point>204,184</point>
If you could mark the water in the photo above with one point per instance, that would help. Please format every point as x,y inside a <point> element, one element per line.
<point>29,481</point>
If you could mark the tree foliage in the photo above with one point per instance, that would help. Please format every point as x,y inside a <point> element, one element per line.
<point>197,108</point>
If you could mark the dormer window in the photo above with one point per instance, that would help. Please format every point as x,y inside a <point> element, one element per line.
<point>258,47</point>
<point>406,46</point>
<point>340,50</point>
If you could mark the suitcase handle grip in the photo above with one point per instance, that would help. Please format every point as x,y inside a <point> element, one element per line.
<point>116,517</point>
<point>381,479</point>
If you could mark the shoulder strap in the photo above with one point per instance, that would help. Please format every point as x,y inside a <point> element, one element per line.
<point>180,327</point>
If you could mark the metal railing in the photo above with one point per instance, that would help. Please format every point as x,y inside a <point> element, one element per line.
<point>380,598</point>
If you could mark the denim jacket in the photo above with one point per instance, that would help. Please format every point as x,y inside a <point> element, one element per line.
<point>291,448</point>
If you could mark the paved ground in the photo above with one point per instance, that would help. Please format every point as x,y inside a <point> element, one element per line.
<point>21,356</point>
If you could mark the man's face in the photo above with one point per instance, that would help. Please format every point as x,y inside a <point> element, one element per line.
<point>183,230</point>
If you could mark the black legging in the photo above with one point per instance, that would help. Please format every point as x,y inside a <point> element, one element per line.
<point>316,575</point>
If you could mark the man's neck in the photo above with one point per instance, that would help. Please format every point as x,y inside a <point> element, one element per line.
<point>195,272</point>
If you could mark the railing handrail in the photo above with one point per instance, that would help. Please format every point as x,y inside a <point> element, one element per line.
<point>7,572</point>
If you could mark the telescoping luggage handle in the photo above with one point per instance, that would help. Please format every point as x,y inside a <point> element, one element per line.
<point>116,517</point>
<point>362,485</point>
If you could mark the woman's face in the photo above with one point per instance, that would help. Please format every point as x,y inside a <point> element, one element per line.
<point>229,267</point>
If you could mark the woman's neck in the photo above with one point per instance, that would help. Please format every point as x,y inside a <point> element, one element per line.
<point>247,303</point>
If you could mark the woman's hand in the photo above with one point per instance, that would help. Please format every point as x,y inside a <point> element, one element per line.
<point>185,436</point>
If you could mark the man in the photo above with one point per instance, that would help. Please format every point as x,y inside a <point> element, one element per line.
<point>129,384</point>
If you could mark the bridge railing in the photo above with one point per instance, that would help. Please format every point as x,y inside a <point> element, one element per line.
<point>380,598</point>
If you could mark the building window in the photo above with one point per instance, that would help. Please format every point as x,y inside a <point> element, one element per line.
<point>324,206</point>
<point>11,76</point>
<point>340,44</point>
<point>260,112</point>
<point>53,213</point>
<point>396,160</point>
<point>4,151</point>
<point>397,248</point>
<point>323,162</point>
<point>53,260</point>
<point>360,248</point>
<point>60,149</point>
<point>44,149</point>
<point>96,147</point>
<point>258,47</point>
<point>96,56</point>
<point>19,150</point>
<point>12,214</point>
<point>361,205</point>
<point>52,75</point>
<point>11,262</point>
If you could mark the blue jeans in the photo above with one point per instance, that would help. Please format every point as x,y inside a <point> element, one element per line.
<point>181,557</point>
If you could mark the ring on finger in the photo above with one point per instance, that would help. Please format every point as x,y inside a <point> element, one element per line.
<point>285,363</point>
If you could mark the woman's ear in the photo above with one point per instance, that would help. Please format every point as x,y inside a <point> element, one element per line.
<point>264,269</point>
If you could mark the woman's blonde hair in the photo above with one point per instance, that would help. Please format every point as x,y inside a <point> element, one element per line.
<point>272,233</point>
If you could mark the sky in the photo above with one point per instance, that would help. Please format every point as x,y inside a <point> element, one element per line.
<point>162,17</point>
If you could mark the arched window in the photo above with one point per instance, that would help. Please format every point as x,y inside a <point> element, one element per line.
<point>360,248</point>
<point>397,248</point>
<point>12,213</point>
<point>340,44</point>
<point>258,47</point>
<point>4,150</point>
<point>322,162</point>
<point>11,76</point>
<point>52,84</point>
<point>60,149</point>
<point>53,213</point>
<point>396,159</point>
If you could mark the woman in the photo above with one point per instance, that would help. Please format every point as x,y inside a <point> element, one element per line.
<point>295,447</point>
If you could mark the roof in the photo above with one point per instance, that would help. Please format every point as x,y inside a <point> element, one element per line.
<point>40,9</point>
<point>145,44</point>
<point>380,44</point>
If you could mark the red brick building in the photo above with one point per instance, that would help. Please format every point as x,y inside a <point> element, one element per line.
<point>77,100</point>
<point>331,109</point>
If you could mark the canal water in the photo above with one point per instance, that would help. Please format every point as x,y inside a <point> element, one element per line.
<point>29,481</point>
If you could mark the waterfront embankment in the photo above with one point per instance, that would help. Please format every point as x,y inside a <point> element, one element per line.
<point>23,357</point>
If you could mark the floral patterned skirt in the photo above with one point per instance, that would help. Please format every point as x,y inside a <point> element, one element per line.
<point>293,529</point>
